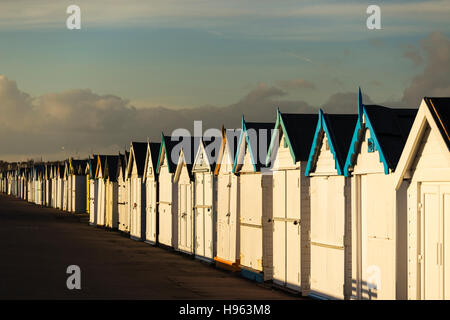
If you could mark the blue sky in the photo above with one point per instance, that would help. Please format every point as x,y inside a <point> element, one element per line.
<point>137,61</point>
<point>193,53</point>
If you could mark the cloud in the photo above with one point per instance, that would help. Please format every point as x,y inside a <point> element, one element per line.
<point>413,54</point>
<point>344,102</point>
<point>295,84</point>
<point>435,79</point>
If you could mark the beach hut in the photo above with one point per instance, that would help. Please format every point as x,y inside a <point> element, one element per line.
<point>255,200</point>
<point>67,187</point>
<point>424,172</point>
<point>111,193</point>
<point>100,200</point>
<point>77,189</point>
<point>205,197</point>
<point>123,187</point>
<point>135,171</point>
<point>47,184</point>
<point>38,183</point>
<point>168,192</point>
<point>377,227</point>
<point>185,198</point>
<point>91,168</point>
<point>30,184</point>
<point>227,201</point>
<point>288,154</point>
<point>60,185</point>
<point>151,186</point>
<point>330,206</point>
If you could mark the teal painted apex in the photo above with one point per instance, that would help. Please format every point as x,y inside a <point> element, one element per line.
<point>322,126</point>
<point>279,123</point>
<point>355,139</point>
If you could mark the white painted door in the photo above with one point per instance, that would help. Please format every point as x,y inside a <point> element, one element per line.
<point>435,202</point>
<point>151,210</point>
<point>224,243</point>
<point>101,203</point>
<point>204,215</point>
<point>185,217</point>
<point>251,221</point>
<point>286,228</point>
<point>165,207</point>
<point>93,194</point>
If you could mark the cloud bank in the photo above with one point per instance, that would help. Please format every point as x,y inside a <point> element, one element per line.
<point>79,122</point>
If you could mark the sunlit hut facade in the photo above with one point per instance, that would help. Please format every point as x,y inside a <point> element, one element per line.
<point>60,185</point>
<point>91,168</point>
<point>330,206</point>
<point>205,197</point>
<point>378,233</point>
<point>168,192</point>
<point>77,186</point>
<point>228,240</point>
<point>288,154</point>
<point>111,192</point>
<point>151,189</point>
<point>135,171</point>
<point>255,201</point>
<point>123,193</point>
<point>185,197</point>
<point>100,200</point>
<point>424,171</point>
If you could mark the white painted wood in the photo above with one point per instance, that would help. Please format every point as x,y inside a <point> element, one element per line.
<point>101,202</point>
<point>93,197</point>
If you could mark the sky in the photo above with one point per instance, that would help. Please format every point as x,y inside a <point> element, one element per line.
<point>137,68</point>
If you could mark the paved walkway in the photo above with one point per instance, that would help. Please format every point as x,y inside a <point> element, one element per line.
<point>38,244</point>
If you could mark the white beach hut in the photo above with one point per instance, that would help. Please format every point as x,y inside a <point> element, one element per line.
<point>151,186</point>
<point>185,198</point>
<point>111,193</point>
<point>77,190</point>
<point>91,168</point>
<point>135,171</point>
<point>168,192</point>
<point>378,266</point>
<point>100,200</point>
<point>228,240</point>
<point>123,193</point>
<point>205,197</point>
<point>331,275</point>
<point>255,201</point>
<point>288,154</point>
<point>424,171</point>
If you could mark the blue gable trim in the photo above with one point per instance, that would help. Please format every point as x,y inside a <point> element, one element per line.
<point>322,126</point>
<point>355,140</point>
<point>243,132</point>
<point>275,134</point>
<point>163,144</point>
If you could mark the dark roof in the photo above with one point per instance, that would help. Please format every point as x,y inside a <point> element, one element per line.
<point>232,136</point>
<point>139,151</point>
<point>300,129</point>
<point>212,146</point>
<point>341,127</point>
<point>111,167</point>
<point>258,141</point>
<point>391,128</point>
<point>170,143</point>
<point>154,152</point>
<point>440,109</point>
<point>190,146</point>
<point>120,165</point>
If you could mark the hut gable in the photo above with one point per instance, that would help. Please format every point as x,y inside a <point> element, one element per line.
<point>380,133</point>
<point>291,139</point>
<point>427,148</point>
<point>227,153</point>
<point>167,158</point>
<point>206,155</point>
<point>136,161</point>
<point>330,145</point>
<point>151,159</point>
<point>252,147</point>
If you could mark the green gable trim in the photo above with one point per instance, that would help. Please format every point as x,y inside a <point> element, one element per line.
<point>244,132</point>
<point>356,139</point>
<point>279,123</point>
<point>322,127</point>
